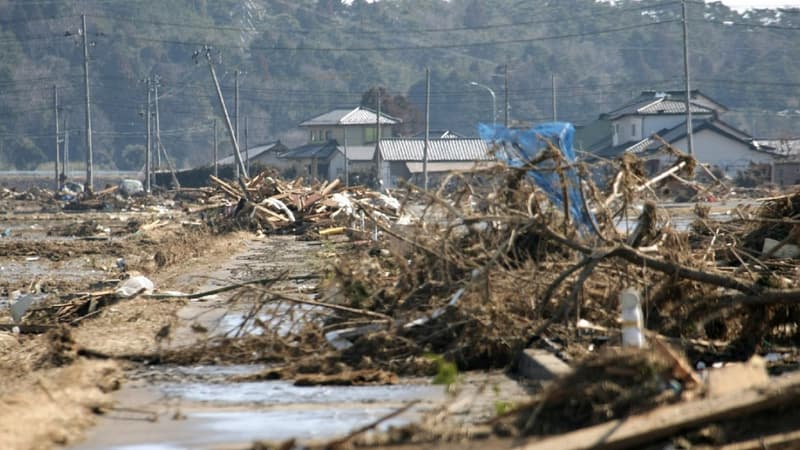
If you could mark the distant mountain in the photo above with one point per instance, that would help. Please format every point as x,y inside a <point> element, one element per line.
<point>299,58</point>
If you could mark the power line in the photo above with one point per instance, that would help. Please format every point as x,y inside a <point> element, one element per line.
<point>409,47</point>
<point>392,31</point>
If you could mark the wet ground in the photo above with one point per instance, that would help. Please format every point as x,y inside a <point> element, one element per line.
<point>200,407</point>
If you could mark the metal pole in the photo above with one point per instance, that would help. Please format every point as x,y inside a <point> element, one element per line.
<point>58,151</point>
<point>494,100</point>
<point>378,141</point>
<point>216,150</point>
<point>236,113</point>
<point>148,149</point>
<point>346,160</point>
<point>687,84</point>
<point>158,129</point>
<point>89,163</point>
<point>231,132</point>
<point>65,165</point>
<point>246,150</point>
<point>427,128</point>
<point>505,90</point>
<point>555,110</point>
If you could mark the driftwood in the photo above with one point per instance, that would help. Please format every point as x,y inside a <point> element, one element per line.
<point>633,432</point>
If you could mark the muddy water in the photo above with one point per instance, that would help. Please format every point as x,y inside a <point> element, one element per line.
<point>200,408</point>
<point>197,408</point>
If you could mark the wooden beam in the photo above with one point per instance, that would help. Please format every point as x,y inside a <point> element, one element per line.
<point>666,421</point>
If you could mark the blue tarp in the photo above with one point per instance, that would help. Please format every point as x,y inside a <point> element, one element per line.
<point>518,147</point>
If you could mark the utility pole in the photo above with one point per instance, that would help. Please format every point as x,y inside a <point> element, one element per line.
<point>58,151</point>
<point>687,84</point>
<point>158,128</point>
<point>236,113</point>
<point>246,150</point>
<point>505,110</point>
<point>88,133</point>
<point>65,165</point>
<point>346,160</point>
<point>427,128</point>
<point>216,150</point>
<point>378,141</point>
<point>148,150</point>
<point>553,85</point>
<point>231,132</point>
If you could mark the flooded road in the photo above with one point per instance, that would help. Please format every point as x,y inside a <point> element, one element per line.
<point>201,407</point>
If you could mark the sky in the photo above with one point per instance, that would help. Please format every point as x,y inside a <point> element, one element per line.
<point>741,5</point>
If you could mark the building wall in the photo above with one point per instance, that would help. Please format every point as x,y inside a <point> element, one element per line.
<point>786,173</point>
<point>356,134</point>
<point>718,150</point>
<point>627,129</point>
<point>336,167</point>
<point>654,124</point>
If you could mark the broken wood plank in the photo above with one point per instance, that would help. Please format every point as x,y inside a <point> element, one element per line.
<point>665,421</point>
<point>227,188</point>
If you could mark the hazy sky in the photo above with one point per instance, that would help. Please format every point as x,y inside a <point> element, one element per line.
<point>744,4</point>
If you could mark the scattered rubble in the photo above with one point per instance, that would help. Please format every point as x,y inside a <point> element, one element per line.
<point>530,254</point>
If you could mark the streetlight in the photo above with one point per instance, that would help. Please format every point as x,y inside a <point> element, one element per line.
<point>494,100</point>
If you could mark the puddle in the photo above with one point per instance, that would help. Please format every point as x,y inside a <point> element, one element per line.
<point>216,414</point>
<point>285,393</point>
<point>279,319</point>
<point>207,430</point>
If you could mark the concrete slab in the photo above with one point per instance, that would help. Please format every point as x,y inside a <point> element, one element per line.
<point>537,364</point>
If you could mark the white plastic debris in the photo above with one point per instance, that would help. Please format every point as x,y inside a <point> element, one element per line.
<point>277,204</point>
<point>344,203</point>
<point>130,187</point>
<point>632,320</point>
<point>134,286</point>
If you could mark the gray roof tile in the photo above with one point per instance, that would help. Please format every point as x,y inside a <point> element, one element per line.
<point>352,116</point>
<point>448,149</point>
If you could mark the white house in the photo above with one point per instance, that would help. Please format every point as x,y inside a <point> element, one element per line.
<point>348,134</point>
<point>716,143</point>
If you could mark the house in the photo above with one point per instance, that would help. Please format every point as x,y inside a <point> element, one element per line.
<point>349,126</point>
<point>786,170</point>
<point>630,129</point>
<point>338,135</point>
<point>265,154</point>
<point>402,158</point>
<point>321,160</point>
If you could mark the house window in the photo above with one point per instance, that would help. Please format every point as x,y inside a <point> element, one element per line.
<point>617,130</point>
<point>370,134</point>
<point>328,135</point>
<point>633,130</point>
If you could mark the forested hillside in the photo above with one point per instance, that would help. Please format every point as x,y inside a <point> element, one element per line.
<point>298,58</point>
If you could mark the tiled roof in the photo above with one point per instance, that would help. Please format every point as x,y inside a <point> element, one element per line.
<point>675,134</point>
<point>352,116</point>
<point>319,151</point>
<point>651,106</point>
<point>252,152</point>
<point>439,134</point>
<point>782,147</point>
<point>411,149</point>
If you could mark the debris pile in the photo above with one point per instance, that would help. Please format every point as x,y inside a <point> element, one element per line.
<point>272,205</point>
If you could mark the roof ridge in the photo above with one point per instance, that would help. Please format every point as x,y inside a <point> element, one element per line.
<point>344,117</point>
